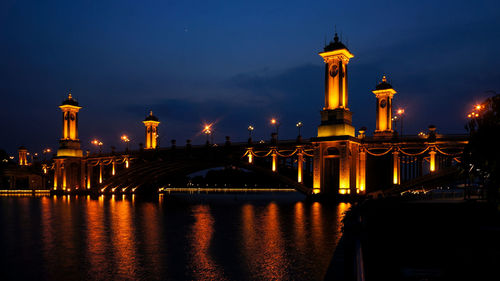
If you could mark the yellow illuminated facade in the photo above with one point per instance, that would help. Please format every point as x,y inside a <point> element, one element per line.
<point>335,163</point>
<point>69,144</point>
<point>69,172</point>
<point>23,156</point>
<point>151,122</point>
<point>384,94</point>
<point>336,118</point>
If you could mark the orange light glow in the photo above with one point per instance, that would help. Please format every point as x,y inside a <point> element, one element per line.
<point>432,161</point>
<point>401,111</point>
<point>273,121</point>
<point>125,138</point>
<point>275,159</point>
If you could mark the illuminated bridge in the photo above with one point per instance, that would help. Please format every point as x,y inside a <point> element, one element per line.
<point>338,160</point>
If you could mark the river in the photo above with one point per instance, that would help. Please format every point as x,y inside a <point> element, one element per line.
<point>261,236</point>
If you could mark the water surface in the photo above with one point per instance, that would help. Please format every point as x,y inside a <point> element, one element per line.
<point>278,236</point>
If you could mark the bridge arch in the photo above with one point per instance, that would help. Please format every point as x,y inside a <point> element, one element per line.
<point>157,173</point>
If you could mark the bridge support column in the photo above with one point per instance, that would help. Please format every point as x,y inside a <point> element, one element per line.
<point>100,172</point>
<point>300,164</point>
<point>113,167</point>
<point>361,176</point>
<point>126,163</point>
<point>432,161</point>
<point>250,156</point>
<point>64,174</point>
<point>396,169</point>
<point>82,174</point>
<point>56,173</point>
<point>89,174</point>
<point>275,160</point>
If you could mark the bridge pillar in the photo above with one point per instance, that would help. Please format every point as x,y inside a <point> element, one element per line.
<point>57,171</point>
<point>250,156</point>
<point>275,160</point>
<point>64,174</point>
<point>335,168</point>
<point>82,174</point>
<point>432,160</point>
<point>113,164</point>
<point>396,169</point>
<point>361,175</point>
<point>300,165</point>
<point>100,172</point>
<point>89,174</point>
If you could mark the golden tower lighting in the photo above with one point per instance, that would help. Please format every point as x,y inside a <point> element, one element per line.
<point>151,122</point>
<point>336,118</point>
<point>69,143</point>
<point>384,94</point>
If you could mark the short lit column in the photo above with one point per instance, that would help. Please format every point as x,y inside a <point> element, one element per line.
<point>250,156</point>
<point>56,174</point>
<point>300,164</point>
<point>113,167</point>
<point>396,178</point>
<point>361,180</point>
<point>432,161</point>
<point>275,159</point>
<point>63,177</point>
<point>100,172</point>
<point>89,174</point>
<point>126,163</point>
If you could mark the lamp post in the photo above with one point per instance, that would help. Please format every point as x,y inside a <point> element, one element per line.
<point>401,113</point>
<point>207,130</point>
<point>98,143</point>
<point>276,124</point>
<point>45,151</point>
<point>299,126</point>
<point>250,130</point>
<point>126,140</point>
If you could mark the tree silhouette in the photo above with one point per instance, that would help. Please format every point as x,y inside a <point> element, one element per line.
<point>482,153</point>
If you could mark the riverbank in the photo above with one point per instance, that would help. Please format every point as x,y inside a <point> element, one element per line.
<point>430,240</point>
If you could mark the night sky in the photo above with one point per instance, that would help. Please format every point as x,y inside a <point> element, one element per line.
<point>236,63</point>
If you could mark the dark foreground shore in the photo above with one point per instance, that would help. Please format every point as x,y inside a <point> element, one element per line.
<point>419,240</point>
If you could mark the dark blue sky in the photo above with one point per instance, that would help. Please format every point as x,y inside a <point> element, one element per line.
<point>239,63</point>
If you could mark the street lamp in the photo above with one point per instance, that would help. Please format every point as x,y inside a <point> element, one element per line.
<point>275,123</point>
<point>45,151</point>
<point>401,113</point>
<point>97,143</point>
<point>126,140</point>
<point>475,111</point>
<point>299,126</point>
<point>250,130</point>
<point>207,130</point>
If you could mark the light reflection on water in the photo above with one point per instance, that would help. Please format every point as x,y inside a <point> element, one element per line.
<point>275,236</point>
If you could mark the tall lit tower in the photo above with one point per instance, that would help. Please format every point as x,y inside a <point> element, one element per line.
<point>151,122</point>
<point>336,156</point>
<point>69,144</point>
<point>384,94</point>
<point>336,118</point>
